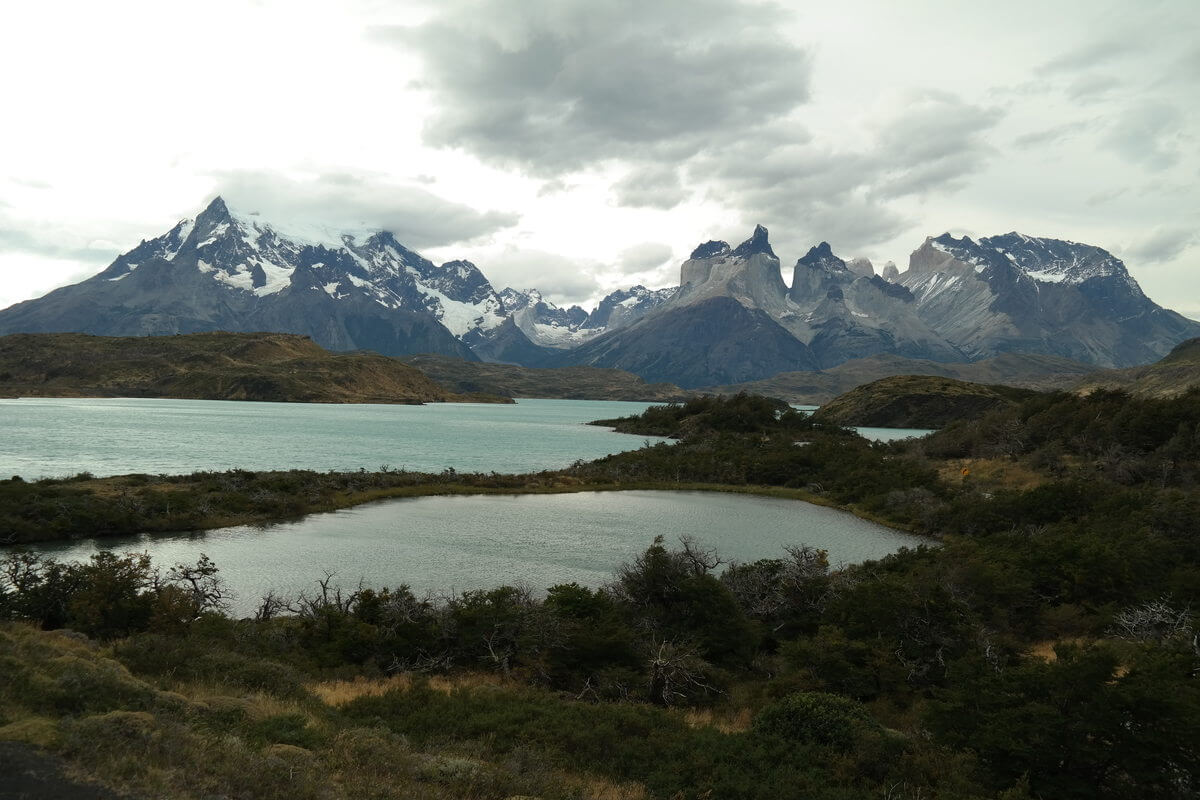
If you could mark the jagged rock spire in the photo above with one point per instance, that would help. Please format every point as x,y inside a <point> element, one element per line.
<point>757,243</point>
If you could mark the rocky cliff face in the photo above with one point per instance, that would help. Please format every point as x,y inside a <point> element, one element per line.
<point>844,313</point>
<point>748,273</point>
<point>1016,293</point>
<point>724,320</point>
<point>959,301</point>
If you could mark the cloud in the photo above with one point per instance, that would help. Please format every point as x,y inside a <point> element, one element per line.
<point>555,86</point>
<point>54,243</point>
<point>417,217</point>
<point>650,187</point>
<point>559,278</point>
<point>1148,133</point>
<point>1090,55</point>
<point>810,191</point>
<point>1051,135</point>
<point>1163,244</point>
<point>1106,196</point>
<point>936,141</point>
<point>1091,88</point>
<point>643,257</point>
<point>708,89</point>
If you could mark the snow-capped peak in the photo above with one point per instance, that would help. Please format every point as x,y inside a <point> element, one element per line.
<point>1055,260</point>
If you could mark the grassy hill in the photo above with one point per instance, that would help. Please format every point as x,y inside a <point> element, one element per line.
<point>1023,370</point>
<point>207,366</point>
<point>1170,377</point>
<point>917,401</point>
<point>568,383</point>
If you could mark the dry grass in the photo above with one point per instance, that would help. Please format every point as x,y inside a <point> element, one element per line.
<point>340,692</point>
<point>725,721</point>
<point>991,473</point>
<point>1044,650</point>
<point>600,789</point>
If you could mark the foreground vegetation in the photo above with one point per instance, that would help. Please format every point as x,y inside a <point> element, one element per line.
<point>1045,649</point>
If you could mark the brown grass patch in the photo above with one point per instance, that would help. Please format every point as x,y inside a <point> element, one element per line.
<point>991,473</point>
<point>1044,651</point>
<point>340,692</point>
<point>726,721</point>
<point>600,789</point>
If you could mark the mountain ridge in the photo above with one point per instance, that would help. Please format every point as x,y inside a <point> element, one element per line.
<point>732,318</point>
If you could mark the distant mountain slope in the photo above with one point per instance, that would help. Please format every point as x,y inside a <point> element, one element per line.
<point>1017,293</point>
<point>917,401</point>
<point>206,366</point>
<point>553,328</point>
<point>1012,369</point>
<point>1170,377</point>
<point>570,383</point>
<point>714,340</point>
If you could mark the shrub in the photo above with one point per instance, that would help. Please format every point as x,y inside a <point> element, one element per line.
<point>815,717</point>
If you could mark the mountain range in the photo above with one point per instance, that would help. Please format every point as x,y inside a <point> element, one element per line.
<point>731,319</point>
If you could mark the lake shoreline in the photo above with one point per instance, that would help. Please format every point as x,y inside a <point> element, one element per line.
<point>116,490</point>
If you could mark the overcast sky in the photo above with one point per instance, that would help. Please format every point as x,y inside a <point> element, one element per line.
<point>584,145</point>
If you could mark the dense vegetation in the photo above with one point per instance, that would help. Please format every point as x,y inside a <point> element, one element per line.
<point>1045,648</point>
<point>917,401</point>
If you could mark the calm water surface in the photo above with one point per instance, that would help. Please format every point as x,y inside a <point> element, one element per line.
<point>444,544</point>
<point>54,437</point>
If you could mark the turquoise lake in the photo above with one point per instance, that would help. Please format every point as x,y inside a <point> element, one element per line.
<point>58,437</point>
<point>54,437</point>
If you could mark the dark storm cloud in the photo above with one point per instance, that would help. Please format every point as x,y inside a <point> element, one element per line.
<point>417,217</point>
<point>554,86</point>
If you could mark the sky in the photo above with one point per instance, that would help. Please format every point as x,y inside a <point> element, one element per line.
<point>579,146</point>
